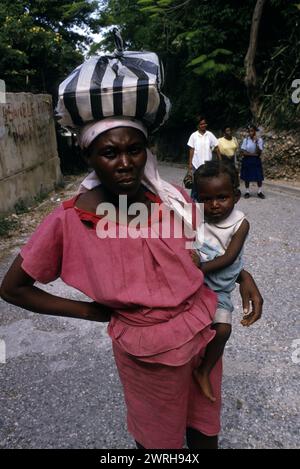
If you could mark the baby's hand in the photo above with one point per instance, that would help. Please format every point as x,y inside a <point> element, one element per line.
<point>247,318</point>
<point>195,258</point>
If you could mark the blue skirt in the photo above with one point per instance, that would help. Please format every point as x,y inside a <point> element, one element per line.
<point>251,169</point>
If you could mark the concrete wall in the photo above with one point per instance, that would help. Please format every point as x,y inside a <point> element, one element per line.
<point>29,163</point>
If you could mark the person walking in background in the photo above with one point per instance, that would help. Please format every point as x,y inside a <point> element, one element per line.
<point>201,145</point>
<point>251,169</point>
<point>228,146</point>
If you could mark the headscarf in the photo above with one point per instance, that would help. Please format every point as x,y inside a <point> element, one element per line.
<point>170,195</point>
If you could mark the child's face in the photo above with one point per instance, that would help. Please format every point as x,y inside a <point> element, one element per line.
<point>218,196</point>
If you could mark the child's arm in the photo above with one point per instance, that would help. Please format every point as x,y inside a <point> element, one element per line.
<point>231,253</point>
<point>18,288</point>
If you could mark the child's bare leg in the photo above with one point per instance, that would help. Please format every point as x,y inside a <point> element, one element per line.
<point>214,351</point>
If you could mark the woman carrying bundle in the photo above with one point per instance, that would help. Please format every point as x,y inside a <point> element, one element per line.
<point>147,287</point>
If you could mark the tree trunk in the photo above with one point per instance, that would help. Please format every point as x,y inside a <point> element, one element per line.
<point>250,71</point>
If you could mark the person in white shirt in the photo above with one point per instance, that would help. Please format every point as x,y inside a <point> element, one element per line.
<point>201,145</point>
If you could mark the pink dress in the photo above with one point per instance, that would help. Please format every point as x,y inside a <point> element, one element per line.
<point>161,325</point>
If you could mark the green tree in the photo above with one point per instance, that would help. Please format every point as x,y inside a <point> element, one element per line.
<point>278,65</point>
<point>196,40</point>
<point>204,45</point>
<point>42,40</point>
<point>250,70</point>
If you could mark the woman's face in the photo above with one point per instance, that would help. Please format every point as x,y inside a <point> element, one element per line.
<point>228,133</point>
<point>202,126</point>
<point>119,157</point>
<point>252,132</point>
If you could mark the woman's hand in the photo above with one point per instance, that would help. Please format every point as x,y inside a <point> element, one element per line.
<point>251,298</point>
<point>97,312</point>
<point>195,258</point>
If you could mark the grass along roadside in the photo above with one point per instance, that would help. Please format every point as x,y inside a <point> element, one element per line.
<point>15,228</point>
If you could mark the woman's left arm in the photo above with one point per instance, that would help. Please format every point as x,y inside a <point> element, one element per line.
<point>251,298</point>
<point>259,146</point>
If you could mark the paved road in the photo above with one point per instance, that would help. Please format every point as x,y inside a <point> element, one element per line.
<point>59,386</point>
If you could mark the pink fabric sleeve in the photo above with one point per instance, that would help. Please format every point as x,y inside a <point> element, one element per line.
<point>42,254</point>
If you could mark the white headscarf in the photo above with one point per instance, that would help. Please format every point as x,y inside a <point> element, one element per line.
<point>169,195</point>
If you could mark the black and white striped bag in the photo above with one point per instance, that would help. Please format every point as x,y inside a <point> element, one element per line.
<point>122,84</point>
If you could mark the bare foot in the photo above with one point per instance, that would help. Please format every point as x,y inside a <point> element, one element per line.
<point>202,379</point>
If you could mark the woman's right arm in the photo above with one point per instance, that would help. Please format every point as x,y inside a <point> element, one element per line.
<point>191,154</point>
<point>243,151</point>
<point>18,288</point>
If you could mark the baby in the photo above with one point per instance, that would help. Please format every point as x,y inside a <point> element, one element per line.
<point>220,255</point>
